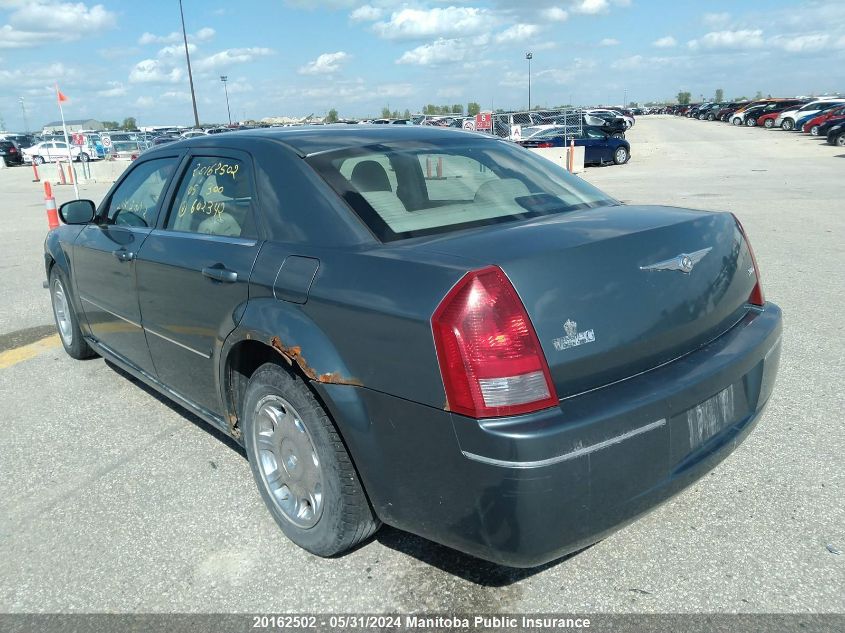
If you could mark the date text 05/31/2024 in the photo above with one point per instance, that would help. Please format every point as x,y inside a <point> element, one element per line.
<point>480,622</point>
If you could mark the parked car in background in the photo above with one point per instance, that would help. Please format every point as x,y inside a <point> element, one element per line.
<point>557,364</point>
<point>836,134</point>
<point>832,122</point>
<point>51,151</point>
<point>751,116</point>
<point>812,126</point>
<point>600,148</point>
<point>788,118</point>
<point>10,153</point>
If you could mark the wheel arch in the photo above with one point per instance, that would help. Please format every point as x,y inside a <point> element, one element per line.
<point>278,332</point>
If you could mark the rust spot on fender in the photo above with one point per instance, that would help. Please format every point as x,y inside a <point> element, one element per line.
<point>234,429</point>
<point>293,354</point>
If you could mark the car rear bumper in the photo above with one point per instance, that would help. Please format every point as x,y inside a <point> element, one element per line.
<point>526,490</point>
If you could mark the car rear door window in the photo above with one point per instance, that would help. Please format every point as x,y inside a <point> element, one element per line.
<point>215,197</point>
<point>135,201</point>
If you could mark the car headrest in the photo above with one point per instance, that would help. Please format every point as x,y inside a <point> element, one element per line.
<point>501,191</point>
<point>368,175</point>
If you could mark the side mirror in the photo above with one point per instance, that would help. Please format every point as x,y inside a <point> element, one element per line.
<point>77,212</point>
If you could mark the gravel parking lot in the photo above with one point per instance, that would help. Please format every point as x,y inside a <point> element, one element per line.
<point>112,499</point>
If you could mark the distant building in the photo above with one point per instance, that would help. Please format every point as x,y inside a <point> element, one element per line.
<point>74,125</point>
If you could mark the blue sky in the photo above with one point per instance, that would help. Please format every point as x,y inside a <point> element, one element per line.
<point>295,57</point>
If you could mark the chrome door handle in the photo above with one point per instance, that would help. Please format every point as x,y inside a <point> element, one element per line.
<point>123,255</point>
<point>220,274</point>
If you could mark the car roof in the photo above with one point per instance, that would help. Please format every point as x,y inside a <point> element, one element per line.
<point>307,140</point>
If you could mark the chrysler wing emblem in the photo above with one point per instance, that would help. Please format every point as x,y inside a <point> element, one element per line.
<point>684,262</point>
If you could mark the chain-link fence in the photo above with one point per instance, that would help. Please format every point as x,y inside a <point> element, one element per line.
<point>516,125</point>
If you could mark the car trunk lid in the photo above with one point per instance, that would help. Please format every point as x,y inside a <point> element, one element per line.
<point>605,290</point>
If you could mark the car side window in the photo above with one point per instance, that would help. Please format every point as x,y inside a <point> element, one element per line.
<point>215,198</point>
<point>136,199</point>
<point>595,134</point>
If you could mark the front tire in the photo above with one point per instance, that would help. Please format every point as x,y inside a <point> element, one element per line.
<point>788,125</point>
<point>750,122</point>
<point>814,131</point>
<point>769,123</point>
<point>620,156</point>
<point>736,121</point>
<point>38,160</point>
<point>67,323</point>
<point>301,466</point>
<point>84,158</point>
<point>839,141</point>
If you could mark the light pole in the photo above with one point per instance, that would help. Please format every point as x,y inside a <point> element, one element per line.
<point>529,56</point>
<point>188,59</point>
<point>225,79</point>
<point>23,110</point>
<point>625,99</point>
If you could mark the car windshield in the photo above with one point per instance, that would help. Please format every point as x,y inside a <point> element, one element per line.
<point>402,191</point>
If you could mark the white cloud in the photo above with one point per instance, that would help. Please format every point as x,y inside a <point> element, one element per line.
<point>46,23</point>
<point>554,14</point>
<point>325,64</point>
<point>441,51</point>
<point>802,43</point>
<point>665,42</point>
<point>449,21</point>
<point>716,19</point>
<point>591,7</point>
<point>40,15</point>
<point>743,38</point>
<point>116,89</point>
<point>154,71</point>
<point>144,102</point>
<point>517,33</point>
<point>353,91</point>
<point>204,34</point>
<point>609,41</point>
<point>176,50</point>
<point>366,13</point>
<point>225,58</point>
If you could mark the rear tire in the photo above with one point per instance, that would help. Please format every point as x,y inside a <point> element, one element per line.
<point>301,466</point>
<point>67,323</point>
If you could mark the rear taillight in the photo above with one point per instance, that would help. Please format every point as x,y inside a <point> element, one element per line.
<point>756,298</point>
<point>13,150</point>
<point>545,144</point>
<point>490,358</point>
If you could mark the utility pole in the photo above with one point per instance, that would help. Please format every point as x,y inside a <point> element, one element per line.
<point>529,56</point>
<point>25,120</point>
<point>188,59</point>
<point>225,79</point>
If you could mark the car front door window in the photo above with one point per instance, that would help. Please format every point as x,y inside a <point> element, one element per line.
<point>135,201</point>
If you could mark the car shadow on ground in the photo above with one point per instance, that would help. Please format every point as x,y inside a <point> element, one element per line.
<point>469,568</point>
<point>177,408</point>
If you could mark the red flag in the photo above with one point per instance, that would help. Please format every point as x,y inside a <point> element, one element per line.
<point>62,98</point>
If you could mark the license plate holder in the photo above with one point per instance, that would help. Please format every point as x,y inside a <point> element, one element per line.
<point>706,419</point>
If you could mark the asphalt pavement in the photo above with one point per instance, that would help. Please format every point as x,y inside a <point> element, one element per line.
<point>113,499</point>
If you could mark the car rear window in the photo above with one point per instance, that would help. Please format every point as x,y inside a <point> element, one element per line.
<point>401,191</point>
